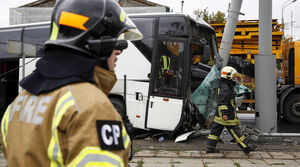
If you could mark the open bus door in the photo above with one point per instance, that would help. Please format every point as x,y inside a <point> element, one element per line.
<point>168,83</point>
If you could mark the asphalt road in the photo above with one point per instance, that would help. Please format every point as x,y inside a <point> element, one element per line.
<point>284,143</point>
<point>282,126</point>
<point>285,127</point>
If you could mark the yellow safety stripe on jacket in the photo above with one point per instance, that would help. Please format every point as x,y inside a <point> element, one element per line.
<point>222,107</point>
<point>125,137</point>
<point>166,61</point>
<point>4,124</point>
<point>233,106</point>
<point>94,156</point>
<point>213,137</point>
<point>237,138</point>
<point>232,103</point>
<point>54,151</point>
<point>228,122</point>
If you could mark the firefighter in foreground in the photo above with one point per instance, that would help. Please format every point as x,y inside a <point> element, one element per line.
<point>226,114</point>
<point>63,116</point>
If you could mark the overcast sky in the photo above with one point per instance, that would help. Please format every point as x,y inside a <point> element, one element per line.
<point>249,7</point>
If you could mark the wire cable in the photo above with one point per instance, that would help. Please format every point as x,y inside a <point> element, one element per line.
<point>16,68</point>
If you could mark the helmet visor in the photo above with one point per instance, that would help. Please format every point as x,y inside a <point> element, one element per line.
<point>130,32</point>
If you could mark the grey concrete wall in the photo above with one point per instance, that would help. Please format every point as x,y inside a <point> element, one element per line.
<point>35,14</point>
<point>29,15</point>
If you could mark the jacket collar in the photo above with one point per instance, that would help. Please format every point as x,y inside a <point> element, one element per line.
<point>58,67</point>
<point>228,81</point>
<point>105,80</point>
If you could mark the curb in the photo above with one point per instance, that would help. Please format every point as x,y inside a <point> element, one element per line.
<point>221,155</point>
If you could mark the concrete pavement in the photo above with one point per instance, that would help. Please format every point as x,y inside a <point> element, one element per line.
<point>2,160</point>
<point>195,158</point>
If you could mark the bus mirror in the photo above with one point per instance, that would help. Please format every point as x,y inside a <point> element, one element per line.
<point>20,48</point>
<point>206,54</point>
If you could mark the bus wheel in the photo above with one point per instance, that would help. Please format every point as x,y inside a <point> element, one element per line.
<point>119,105</point>
<point>292,109</point>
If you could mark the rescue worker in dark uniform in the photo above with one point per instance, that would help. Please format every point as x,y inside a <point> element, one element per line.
<point>226,114</point>
<point>63,116</point>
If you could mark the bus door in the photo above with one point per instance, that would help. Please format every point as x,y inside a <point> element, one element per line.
<point>167,82</point>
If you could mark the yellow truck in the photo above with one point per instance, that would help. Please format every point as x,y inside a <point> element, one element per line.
<point>245,42</point>
<point>287,52</point>
<point>288,93</point>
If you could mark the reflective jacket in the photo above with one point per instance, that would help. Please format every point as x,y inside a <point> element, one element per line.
<point>226,103</point>
<point>74,125</point>
<point>165,62</point>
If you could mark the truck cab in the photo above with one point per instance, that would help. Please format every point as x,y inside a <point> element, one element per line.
<point>288,93</point>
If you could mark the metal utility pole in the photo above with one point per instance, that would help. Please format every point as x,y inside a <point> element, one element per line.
<point>226,43</point>
<point>285,4</point>
<point>292,24</point>
<point>265,72</point>
<point>182,1</point>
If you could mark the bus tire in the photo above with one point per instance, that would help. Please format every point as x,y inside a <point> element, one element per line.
<point>119,105</point>
<point>292,109</point>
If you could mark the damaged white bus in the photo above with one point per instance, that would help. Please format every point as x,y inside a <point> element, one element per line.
<point>161,70</point>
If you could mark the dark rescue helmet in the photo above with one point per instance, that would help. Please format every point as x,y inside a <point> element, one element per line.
<point>94,27</point>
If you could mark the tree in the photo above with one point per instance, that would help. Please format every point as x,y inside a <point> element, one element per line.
<point>208,17</point>
<point>204,14</point>
<point>219,16</point>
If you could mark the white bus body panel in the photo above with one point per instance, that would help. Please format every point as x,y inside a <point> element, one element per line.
<point>136,101</point>
<point>136,67</point>
<point>164,113</point>
<point>132,63</point>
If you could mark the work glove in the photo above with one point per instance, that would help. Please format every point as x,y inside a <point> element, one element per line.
<point>225,117</point>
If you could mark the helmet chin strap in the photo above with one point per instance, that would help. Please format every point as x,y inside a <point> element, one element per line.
<point>102,59</point>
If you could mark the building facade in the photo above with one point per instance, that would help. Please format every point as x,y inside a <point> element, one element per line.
<point>40,10</point>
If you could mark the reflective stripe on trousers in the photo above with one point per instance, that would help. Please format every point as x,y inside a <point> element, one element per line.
<point>238,140</point>
<point>213,137</point>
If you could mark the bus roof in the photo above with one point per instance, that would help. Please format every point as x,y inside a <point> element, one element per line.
<point>26,25</point>
<point>198,21</point>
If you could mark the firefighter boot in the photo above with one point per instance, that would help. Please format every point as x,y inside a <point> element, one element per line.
<point>212,150</point>
<point>250,148</point>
